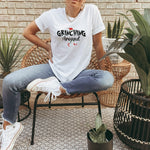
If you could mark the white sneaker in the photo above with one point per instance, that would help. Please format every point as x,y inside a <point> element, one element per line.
<point>10,135</point>
<point>50,85</point>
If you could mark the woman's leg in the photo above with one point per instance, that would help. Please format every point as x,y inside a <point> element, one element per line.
<point>17,81</point>
<point>12,85</point>
<point>89,81</point>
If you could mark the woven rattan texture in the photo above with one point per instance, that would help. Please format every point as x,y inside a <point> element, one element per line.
<point>109,97</point>
<point>132,116</point>
<point>37,55</point>
<point>120,70</point>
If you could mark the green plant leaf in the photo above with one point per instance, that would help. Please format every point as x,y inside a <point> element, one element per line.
<point>136,38</point>
<point>129,36</point>
<point>143,25</point>
<point>114,30</point>
<point>133,37</point>
<point>129,31</point>
<point>137,52</point>
<point>136,47</point>
<point>114,47</point>
<point>127,57</point>
<point>121,29</point>
<point>9,51</point>
<point>145,79</point>
<point>98,121</point>
<point>147,15</point>
<point>101,129</point>
<point>93,137</point>
<point>145,42</point>
<point>118,28</point>
<point>109,34</point>
<point>133,27</point>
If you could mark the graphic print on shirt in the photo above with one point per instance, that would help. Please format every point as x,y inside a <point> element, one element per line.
<point>71,36</point>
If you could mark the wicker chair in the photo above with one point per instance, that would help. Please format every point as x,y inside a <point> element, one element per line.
<point>109,97</point>
<point>38,55</point>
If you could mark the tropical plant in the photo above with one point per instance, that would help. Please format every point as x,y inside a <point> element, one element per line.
<point>136,45</point>
<point>97,134</point>
<point>116,30</point>
<point>10,54</point>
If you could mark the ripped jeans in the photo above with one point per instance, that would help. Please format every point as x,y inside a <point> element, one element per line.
<point>86,81</point>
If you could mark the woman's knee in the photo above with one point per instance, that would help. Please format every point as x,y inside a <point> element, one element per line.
<point>9,82</point>
<point>107,80</point>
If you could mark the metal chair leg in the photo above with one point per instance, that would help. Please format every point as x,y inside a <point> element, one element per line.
<point>35,107</point>
<point>82,101</point>
<point>98,103</point>
<point>25,95</point>
<point>34,118</point>
<point>29,109</point>
<point>18,117</point>
<point>49,106</point>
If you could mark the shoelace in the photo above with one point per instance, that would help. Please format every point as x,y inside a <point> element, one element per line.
<point>47,97</point>
<point>53,95</point>
<point>50,92</point>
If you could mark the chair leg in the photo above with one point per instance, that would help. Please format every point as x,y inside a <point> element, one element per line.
<point>29,109</point>
<point>18,117</point>
<point>98,103</point>
<point>82,101</point>
<point>49,102</point>
<point>25,95</point>
<point>34,118</point>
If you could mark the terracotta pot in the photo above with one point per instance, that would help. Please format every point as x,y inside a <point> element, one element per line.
<point>101,146</point>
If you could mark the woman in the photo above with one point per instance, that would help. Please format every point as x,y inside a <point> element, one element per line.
<point>73,29</point>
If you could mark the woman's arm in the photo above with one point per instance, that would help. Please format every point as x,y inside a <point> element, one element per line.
<point>30,34</point>
<point>97,43</point>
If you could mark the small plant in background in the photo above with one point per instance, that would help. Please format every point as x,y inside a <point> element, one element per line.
<point>10,54</point>
<point>116,30</point>
<point>97,134</point>
<point>136,45</point>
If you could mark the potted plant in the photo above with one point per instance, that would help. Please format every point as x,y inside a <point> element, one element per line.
<point>113,31</point>
<point>136,47</point>
<point>133,106</point>
<point>10,54</point>
<point>99,138</point>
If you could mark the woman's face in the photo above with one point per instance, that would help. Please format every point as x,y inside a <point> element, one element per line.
<point>75,3</point>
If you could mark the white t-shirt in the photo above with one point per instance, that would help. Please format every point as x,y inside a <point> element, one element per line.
<point>71,41</point>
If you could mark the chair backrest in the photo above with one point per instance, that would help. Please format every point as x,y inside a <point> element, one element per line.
<point>36,55</point>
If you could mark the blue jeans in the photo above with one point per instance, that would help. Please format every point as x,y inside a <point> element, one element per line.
<point>86,81</point>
